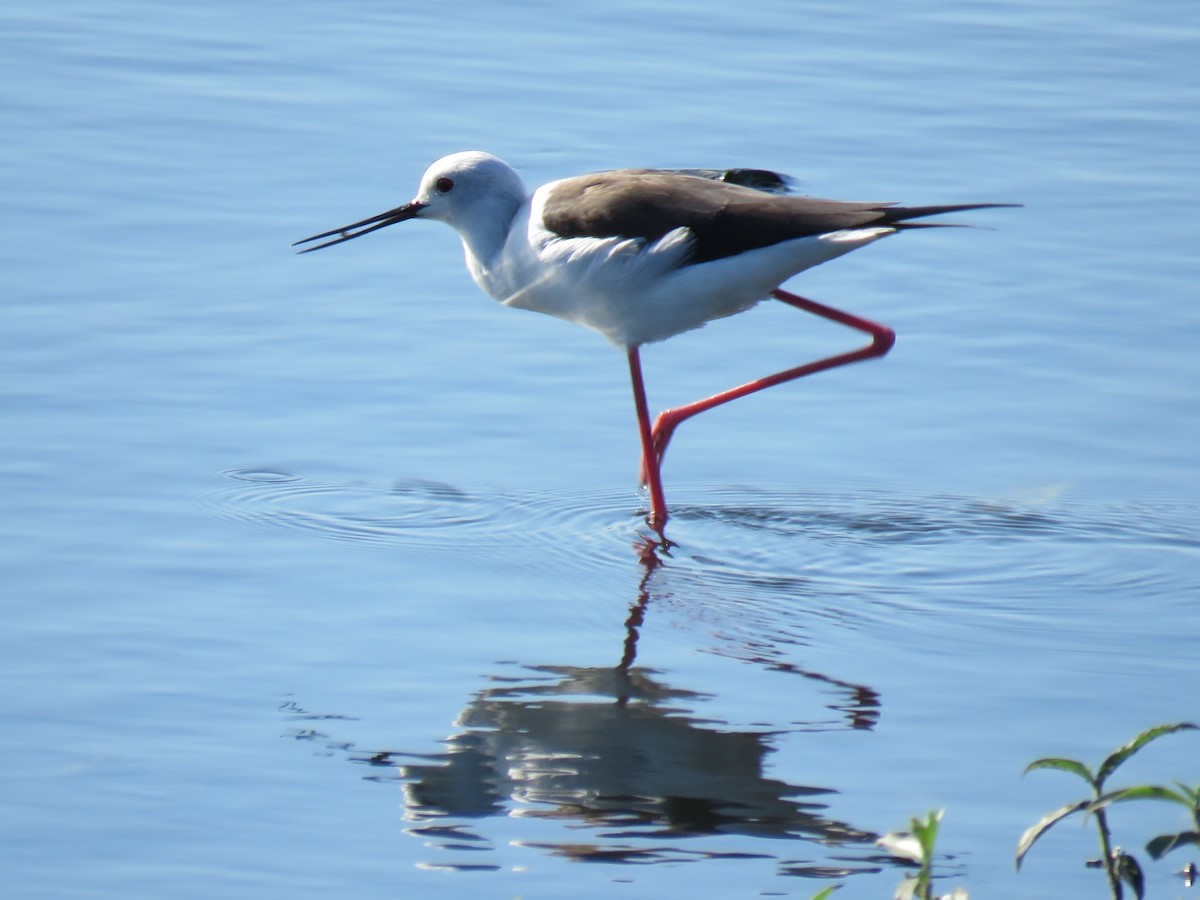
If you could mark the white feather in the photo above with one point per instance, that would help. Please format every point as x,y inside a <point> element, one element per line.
<point>631,290</point>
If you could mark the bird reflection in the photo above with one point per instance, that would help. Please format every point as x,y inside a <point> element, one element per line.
<point>615,749</point>
<point>623,761</point>
<point>858,703</point>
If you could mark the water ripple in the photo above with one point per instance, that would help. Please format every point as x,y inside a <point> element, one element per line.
<point>747,531</point>
<point>421,513</point>
<point>743,565</point>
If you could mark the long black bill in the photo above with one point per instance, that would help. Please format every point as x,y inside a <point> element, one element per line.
<point>358,229</point>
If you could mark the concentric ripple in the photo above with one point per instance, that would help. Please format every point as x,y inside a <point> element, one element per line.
<point>751,531</point>
<point>761,569</point>
<point>418,512</point>
<point>772,563</point>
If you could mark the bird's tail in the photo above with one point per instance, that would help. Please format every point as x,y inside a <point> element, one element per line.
<point>898,216</point>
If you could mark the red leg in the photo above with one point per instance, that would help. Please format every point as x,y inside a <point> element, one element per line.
<point>882,339</point>
<point>650,459</point>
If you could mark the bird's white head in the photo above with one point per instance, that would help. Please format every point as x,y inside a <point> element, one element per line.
<point>463,187</point>
<point>474,192</point>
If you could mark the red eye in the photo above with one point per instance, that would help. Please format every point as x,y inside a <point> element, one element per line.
<point>444,185</point>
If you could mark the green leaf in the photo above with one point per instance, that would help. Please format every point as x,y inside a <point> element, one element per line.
<point>1142,792</point>
<point>1123,753</point>
<point>1035,831</point>
<point>1192,793</point>
<point>926,832</point>
<point>1163,844</point>
<point>1064,765</point>
<point>1131,873</point>
<point>826,893</point>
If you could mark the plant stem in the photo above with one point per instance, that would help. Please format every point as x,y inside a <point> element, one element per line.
<point>1110,864</point>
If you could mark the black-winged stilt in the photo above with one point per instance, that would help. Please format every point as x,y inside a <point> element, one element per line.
<point>641,255</point>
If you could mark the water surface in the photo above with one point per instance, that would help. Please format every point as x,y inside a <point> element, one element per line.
<point>328,575</point>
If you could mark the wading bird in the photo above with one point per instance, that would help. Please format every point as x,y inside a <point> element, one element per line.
<point>641,255</point>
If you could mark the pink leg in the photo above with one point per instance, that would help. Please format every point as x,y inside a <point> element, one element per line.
<point>882,339</point>
<point>650,474</point>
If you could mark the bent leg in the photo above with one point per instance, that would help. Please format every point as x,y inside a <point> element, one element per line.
<point>882,339</point>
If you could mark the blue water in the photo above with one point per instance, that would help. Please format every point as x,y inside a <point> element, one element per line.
<point>326,575</point>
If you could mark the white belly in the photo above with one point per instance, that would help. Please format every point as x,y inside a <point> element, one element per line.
<point>635,293</point>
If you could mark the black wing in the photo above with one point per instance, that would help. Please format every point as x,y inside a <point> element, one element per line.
<point>726,218</point>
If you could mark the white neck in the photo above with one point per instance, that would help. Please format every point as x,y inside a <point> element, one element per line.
<point>484,232</point>
<point>483,238</point>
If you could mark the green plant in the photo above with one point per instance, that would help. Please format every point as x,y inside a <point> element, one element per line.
<point>1187,797</point>
<point>918,845</point>
<point>1119,866</point>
